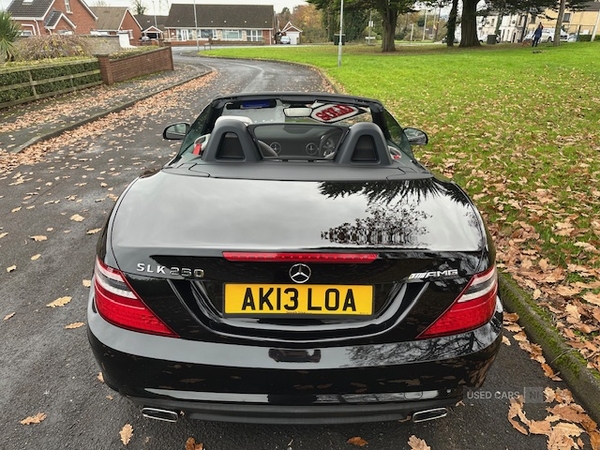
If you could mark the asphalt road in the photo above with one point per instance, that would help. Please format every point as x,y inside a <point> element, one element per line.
<point>51,211</point>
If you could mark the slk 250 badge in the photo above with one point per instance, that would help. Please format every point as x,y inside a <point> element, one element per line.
<point>157,269</point>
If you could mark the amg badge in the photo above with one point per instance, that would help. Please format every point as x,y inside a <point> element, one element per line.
<point>434,274</point>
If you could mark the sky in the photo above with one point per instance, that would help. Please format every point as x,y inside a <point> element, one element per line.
<point>162,7</point>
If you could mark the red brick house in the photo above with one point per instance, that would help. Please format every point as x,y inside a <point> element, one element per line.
<point>115,20</point>
<point>46,17</point>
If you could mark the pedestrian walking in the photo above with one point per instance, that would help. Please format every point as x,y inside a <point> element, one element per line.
<point>537,35</point>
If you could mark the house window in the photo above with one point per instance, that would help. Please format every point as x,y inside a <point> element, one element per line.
<point>208,34</point>
<point>68,6</point>
<point>567,17</point>
<point>183,35</point>
<point>254,35</point>
<point>232,35</point>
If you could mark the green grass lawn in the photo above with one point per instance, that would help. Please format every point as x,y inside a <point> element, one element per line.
<point>518,128</point>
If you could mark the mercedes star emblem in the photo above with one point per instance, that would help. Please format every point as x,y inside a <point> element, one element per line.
<point>300,273</point>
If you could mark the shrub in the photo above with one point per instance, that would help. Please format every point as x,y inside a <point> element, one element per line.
<point>584,38</point>
<point>55,46</point>
<point>9,31</point>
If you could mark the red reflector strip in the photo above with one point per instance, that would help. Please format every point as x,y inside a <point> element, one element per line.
<point>326,258</point>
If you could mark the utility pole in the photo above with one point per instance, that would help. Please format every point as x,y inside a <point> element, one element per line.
<point>341,34</point>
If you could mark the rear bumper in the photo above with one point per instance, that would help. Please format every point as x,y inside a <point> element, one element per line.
<point>262,384</point>
<point>297,414</point>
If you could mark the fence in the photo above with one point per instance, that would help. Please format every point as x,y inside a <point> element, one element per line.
<point>33,83</point>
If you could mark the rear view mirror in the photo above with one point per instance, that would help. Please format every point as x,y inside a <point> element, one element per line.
<point>176,132</point>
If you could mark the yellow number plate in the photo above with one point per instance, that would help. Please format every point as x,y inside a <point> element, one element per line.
<point>255,299</point>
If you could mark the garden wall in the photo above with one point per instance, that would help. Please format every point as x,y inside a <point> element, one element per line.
<point>115,70</point>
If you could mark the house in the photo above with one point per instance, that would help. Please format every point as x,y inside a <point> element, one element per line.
<point>292,32</point>
<point>153,26</point>
<point>220,23</point>
<point>46,17</point>
<point>117,20</point>
<point>514,28</point>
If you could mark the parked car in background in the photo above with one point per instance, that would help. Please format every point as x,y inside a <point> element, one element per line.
<point>294,263</point>
<point>285,40</point>
<point>547,35</point>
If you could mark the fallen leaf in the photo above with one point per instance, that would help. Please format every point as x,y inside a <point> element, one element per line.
<point>516,410</point>
<point>126,433</point>
<point>3,234</point>
<point>8,316</point>
<point>62,301</point>
<point>35,257</point>
<point>77,218</point>
<point>11,268</point>
<point>357,441</point>
<point>93,231</point>
<point>86,283</point>
<point>100,377</point>
<point>39,238</point>
<point>74,325</point>
<point>16,209</point>
<point>417,444</point>
<point>33,419</point>
<point>190,444</point>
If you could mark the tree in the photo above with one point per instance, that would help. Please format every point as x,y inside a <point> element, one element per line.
<point>389,10</point>
<point>468,24</point>
<point>139,9</point>
<point>451,25</point>
<point>9,31</point>
<point>309,20</point>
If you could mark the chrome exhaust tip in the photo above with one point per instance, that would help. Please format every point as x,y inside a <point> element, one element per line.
<point>429,414</point>
<point>166,415</point>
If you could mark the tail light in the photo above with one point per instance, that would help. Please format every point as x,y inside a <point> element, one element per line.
<point>473,308</point>
<point>118,304</point>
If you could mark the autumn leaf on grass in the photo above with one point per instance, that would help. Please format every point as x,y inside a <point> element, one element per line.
<point>77,218</point>
<point>126,433</point>
<point>594,299</point>
<point>357,441</point>
<point>74,325</point>
<point>190,444</point>
<point>417,444</point>
<point>62,301</point>
<point>33,419</point>
<point>39,238</point>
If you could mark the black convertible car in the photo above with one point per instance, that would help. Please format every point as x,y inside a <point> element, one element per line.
<point>294,263</point>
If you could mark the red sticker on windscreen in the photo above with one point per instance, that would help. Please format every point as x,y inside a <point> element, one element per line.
<point>333,113</point>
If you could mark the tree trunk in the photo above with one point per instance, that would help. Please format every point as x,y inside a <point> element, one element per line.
<point>468,25</point>
<point>451,25</point>
<point>559,21</point>
<point>390,20</point>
